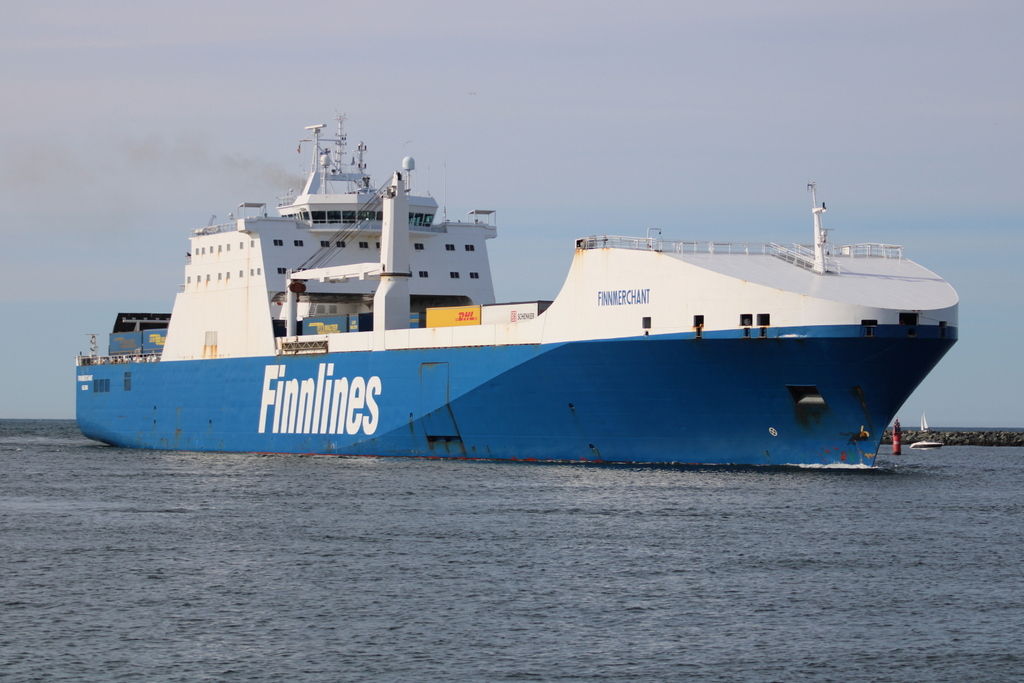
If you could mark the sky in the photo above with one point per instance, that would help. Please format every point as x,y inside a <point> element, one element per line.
<point>123,125</point>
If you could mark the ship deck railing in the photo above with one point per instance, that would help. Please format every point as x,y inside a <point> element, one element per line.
<point>215,229</point>
<point>798,254</point>
<point>119,359</point>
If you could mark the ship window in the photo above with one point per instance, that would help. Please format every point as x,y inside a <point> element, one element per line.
<point>698,321</point>
<point>319,216</point>
<point>241,245</point>
<point>453,275</point>
<point>259,271</point>
<point>428,218</point>
<point>746,319</point>
<point>207,277</point>
<point>188,280</point>
<point>908,318</point>
<point>219,248</point>
<point>378,245</point>
<point>348,216</point>
<point>474,276</point>
<point>470,247</point>
<point>449,247</point>
<point>282,271</point>
<point>220,276</point>
<point>241,273</point>
<point>325,243</point>
<point>805,395</point>
<point>298,243</point>
<point>227,275</point>
<point>418,246</point>
<point>252,271</point>
<point>423,273</point>
<point>764,319</point>
<point>645,322</point>
<point>227,247</point>
<point>364,245</point>
<point>101,386</point>
<point>334,216</point>
<point>341,244</point>
<point>127,381</point>
<point>252,243</point>
<point>202,251</point>
<point>278,243</point>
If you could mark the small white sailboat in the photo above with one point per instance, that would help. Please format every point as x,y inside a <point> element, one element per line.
<point>925,444</point>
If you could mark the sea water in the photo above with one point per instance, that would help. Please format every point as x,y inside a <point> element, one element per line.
<point>122,565</point>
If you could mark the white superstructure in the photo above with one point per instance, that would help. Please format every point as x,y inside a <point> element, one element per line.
<point>343,248</point>
<point>236,276</point>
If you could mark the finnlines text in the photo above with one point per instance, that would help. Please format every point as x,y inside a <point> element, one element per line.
<point>325,405</point>
<point>624,297</point>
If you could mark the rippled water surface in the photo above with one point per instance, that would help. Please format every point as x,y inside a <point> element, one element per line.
<point>122,565</point>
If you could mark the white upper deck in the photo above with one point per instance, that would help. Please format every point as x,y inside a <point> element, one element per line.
<point>873,275</point>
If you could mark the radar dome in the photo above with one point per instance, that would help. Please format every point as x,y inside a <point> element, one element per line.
<point>409,164</point>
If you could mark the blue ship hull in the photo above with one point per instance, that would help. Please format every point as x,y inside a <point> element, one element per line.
<point>663,399</point>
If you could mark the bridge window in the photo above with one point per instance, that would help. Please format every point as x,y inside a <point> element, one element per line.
<point>348,216</point>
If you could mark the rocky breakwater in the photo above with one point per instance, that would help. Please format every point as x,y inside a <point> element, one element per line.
<point>960,438</point>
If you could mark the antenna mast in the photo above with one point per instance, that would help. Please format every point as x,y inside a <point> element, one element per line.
<point>820,234</point>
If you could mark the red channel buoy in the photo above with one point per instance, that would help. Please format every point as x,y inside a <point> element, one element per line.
<point>896,434</point>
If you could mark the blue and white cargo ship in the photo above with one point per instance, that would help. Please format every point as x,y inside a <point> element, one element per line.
<point>359,321</point>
